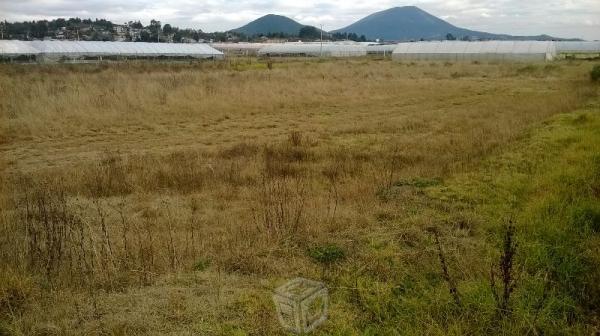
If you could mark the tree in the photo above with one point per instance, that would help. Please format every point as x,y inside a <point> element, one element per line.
<point>309,33</point>
<point>167,29</point>
<point>3,31</point>
<point>145,36</point>
<point>450,37</point>
<point>155,27</point>
<point>39,29</point>
<point>136,24</point>
<point>340,36</point>
<point>61,22</point>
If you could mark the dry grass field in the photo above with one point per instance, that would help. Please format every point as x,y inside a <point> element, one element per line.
<point>171,199</point>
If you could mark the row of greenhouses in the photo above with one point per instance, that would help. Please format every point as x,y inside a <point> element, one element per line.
<point>438,50</point>
<point>53,51</point>
<point>91,50</point>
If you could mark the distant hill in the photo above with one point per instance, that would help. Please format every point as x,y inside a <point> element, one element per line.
<point>270,24</point>
<point>413,23</point>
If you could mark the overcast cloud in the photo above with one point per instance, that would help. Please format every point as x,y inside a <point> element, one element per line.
<point>563,18</point>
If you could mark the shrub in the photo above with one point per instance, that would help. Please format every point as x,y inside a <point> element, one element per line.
<point>586,218</point>
<point>4,329</point>
<point>202,264</point>
<point>326,254</point>
<point>15,292</point>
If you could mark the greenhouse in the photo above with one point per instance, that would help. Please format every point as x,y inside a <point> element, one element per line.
<point>476,51</point>
<point>313,50</point>
<point>578,48</point>
<point>17,48</point>
<point>52,51</point>
<point>381,49</point>
<point>244,49</point>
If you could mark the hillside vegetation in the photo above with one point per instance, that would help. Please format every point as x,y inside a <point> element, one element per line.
<point>430,198</point>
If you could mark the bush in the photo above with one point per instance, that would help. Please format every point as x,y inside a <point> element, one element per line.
<point>15,292</point>
<point>586,218</point>
<point>595,73</point>
<point>201,265</point>
<point>327,254</point>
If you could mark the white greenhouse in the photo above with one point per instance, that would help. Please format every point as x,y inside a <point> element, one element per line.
<point>13,48</point>
<point>578,48</point>
<point>91,50</point>
<point>476,51</point>
<point>381,49</point>
<point>242,48</point>
<point>313,50</point>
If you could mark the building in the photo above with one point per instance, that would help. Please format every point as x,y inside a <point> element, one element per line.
<point>120,33</point>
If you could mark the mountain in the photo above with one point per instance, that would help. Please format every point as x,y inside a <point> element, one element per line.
<point>412,23</point>
<point>271,24</point>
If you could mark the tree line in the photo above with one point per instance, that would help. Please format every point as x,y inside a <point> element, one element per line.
<point>103,30</point>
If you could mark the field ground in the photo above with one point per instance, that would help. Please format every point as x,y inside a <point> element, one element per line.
<point>172,199</point>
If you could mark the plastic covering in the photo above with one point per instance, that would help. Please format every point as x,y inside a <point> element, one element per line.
<point>481,50</point>
<point>239,48</point>
<point>578,47</point>
<point>313,49</point>
<point>381,49</point>
<point>83,49</point>
<point>13,48</point>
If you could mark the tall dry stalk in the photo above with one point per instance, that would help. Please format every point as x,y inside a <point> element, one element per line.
<point>505,270</point>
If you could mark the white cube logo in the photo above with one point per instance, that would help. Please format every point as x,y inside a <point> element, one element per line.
<point>301,305</point>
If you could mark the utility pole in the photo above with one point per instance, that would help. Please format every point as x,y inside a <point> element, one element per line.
<point>321,41</point>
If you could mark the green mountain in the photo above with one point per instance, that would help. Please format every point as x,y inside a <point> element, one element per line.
<point>271,24</point>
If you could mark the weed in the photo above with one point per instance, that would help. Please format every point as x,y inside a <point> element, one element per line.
<point>202,264</point>
<point>504,269</point>
<point>326,255</point>
<point>444,266</point>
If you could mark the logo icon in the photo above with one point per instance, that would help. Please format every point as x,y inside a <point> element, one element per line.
<point>301,305</point>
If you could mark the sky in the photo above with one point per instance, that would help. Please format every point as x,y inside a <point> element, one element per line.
<point>561,18</point>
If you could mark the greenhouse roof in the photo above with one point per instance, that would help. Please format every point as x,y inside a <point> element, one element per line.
<point>93,48</point>
<point>578,46</point>
<point>313,49</point>
<point>463,47</point>
<point>16,48</point>
<point>380,48</point>
<point>238,46</point>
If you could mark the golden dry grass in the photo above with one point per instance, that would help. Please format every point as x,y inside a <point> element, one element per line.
<point>153,199</point>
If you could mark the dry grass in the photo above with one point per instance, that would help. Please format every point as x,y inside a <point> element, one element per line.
<point>189,190</point>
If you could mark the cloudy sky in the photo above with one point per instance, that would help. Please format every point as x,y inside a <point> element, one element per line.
<point>563,18</point>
